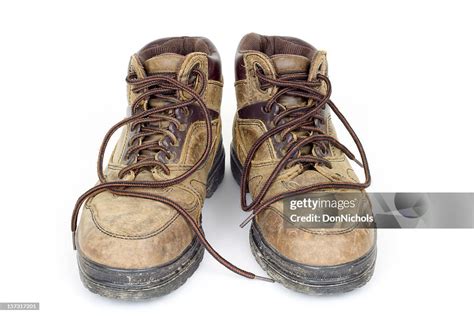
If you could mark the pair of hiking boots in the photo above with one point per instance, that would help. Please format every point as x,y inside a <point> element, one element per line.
<point>140,232</point>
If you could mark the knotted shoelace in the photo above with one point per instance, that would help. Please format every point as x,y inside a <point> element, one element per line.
<point>164,87</point>
<point>299,119</point>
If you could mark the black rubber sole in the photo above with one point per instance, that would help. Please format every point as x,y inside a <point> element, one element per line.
<point>313,280</point>
<point>140,284</point>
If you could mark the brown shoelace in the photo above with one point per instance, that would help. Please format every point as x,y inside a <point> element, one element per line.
<point>299,119</point>
<point>156,86</point>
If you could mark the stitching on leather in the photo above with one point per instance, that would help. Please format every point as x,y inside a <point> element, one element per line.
<point>250,55</point>
<point>240,83</point>
<point>131,237</point>
<point>144,236</point>
<point>242,122</point>
<point>264,164</point>
<point>136,237</point>
<point>259,181</point>
<point>215,83</point>
<point>349,174</point>
<point>334,158</point>
<point>191,130</point>
<point>213,90</point>
<point>257,58</point>
<point>196,190</point>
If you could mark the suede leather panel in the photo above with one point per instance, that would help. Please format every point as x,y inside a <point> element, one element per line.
<point>164,63</point>
<point>248,90</point>
<point>132,253</point>
<point>213,95</point>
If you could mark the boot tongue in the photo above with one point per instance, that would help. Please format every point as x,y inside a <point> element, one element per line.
<point>164,63</point>
<point>288,64</point>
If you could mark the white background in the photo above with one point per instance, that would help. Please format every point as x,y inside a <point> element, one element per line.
<point>402,73</point>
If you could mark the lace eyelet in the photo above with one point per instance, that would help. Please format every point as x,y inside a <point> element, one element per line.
<point>129,158</point>
<point>194,82</point>
<point>170,156</point>
<point>318,122</point>
<point>257,68</point>
<point>175,144</point>
<point>186,111</point>
<point>321,151</point>
<point>265,110</point>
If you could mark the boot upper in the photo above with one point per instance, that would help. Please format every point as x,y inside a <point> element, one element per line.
<point>274,57</point>
<point>132,233</point>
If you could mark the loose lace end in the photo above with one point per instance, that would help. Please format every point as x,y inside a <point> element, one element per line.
<point>260,278</point>
<point>247,220</point>
<point>358,162</point>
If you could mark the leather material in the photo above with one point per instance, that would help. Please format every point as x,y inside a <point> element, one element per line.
<point>164,63</point>
<point>257,112</point>
<point>185,45</point>
<point>317,247</point>
<point>249,91</point>
<point>132,233</point>
<point>240,72</point>
<point>194,115</point>
<point>287,64</point>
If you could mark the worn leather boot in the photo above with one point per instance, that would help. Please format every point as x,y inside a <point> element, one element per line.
<point>139,234</point>
<point>284,144</point>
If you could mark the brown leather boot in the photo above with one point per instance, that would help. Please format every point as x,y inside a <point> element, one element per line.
<point>284,144</point>
<point>139,235</point>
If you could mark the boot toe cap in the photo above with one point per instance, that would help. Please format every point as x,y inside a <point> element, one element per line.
<point>119,236</point>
